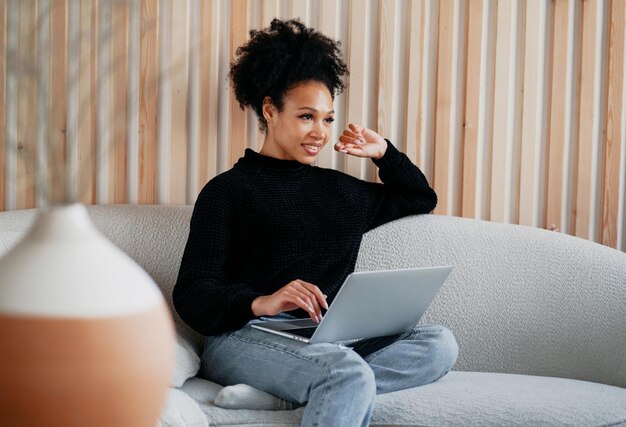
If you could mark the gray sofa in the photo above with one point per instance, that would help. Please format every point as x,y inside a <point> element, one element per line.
<point>540,318</point>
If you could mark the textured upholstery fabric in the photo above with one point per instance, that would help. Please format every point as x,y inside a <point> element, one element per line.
<point>520,300</point>
<point>474,399</point>
<point>181,411</point>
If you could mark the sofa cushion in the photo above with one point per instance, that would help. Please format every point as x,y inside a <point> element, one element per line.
<point>472,398</point>
<point>180,410</point>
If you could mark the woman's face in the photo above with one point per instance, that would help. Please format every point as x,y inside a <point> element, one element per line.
<point>301,129</point>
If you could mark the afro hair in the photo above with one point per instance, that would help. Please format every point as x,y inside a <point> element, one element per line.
<point>278,58</point>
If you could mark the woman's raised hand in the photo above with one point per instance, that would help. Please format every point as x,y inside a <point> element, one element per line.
<point>361,142</point>
<point>295,294</point>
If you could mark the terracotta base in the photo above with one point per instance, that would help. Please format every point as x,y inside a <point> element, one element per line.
<point>85,372</point>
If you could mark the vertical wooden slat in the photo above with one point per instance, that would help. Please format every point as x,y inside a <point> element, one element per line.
<point>599,121</point>
<point>586,131</point>
<point>209,68</point>
<point>341,103</point>
<point>544,77</point>
<point>505,159</point>
<point>270,9</point>
<point>484,151</point>
<point>528,126</point>
<point>42,183</point>
<point>178,74</point>
<point>58,100</point>
<point>400,83</point>
<point>300,9</point>
<point>443,105</point>
<point>193,101</point>
<point>369,171</point>
<point>73,77</point>
<point>429,85</point>
<point>615,105</point>
<point>132,130</point>
<point>238,125</point>
<point>390,115</point>
<point>356,65</point>
<point>557,108</point>
<point>86,104</point>
<point>329,11</point>
<point>27,86</point>
<point>458,66</point>
<point>225,97</point>
<point>164,100</point>
<point>148,81</point>
<point>572,117</point>
<point>93,93</point>
<point>105,118</point>
<point>621,212</point>
<point>414,78</point>
<point>254,138</point>
<point>500,109</point>
<point>284,9</point>
<point>386,49</point>
<point>3,104</point>
<point>12,64</point>
<point>534,122</point>
<point>472,96</point>
<point>119,72</point>
<point>514,101</point>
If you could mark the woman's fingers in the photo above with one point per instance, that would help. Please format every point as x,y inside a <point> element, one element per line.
<point>310,298</point>
<point>301,302</point>
<point>296,294</point>
<point>354,136</point>
<point>321,298</point>
<point>354,150</point>
<point>355,128</point>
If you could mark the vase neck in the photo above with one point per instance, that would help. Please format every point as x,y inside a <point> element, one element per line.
<point>67,221</point>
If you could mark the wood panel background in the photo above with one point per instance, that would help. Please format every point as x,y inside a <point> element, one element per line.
<point>513,109</point>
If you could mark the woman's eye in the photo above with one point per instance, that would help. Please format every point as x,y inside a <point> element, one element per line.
<point>307,116</point>
<point>329,119</point>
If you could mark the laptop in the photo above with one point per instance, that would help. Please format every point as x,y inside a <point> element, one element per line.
<point>369,304</point>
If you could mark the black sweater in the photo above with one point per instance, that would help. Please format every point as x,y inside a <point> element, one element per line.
<point>267,222</point>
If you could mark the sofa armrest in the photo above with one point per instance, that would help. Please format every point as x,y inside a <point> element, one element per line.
<point>520,299</point>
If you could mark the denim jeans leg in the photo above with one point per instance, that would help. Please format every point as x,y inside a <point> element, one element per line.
<point>336,384</point>
<point>421,356</point>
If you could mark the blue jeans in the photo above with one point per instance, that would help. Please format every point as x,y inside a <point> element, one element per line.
<point>338,382</point>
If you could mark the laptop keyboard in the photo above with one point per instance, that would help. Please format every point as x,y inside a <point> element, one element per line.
<point>303,332</point>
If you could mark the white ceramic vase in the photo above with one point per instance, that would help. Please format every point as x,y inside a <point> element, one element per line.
<point>86,337</point>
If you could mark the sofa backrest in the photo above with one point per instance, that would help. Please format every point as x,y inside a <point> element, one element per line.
<point>520,300</point>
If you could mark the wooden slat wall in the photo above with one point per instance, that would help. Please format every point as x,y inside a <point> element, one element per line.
<point>514,110</point>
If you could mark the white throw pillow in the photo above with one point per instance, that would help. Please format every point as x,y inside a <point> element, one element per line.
<point>187,362</point>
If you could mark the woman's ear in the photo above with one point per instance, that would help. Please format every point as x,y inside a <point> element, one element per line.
<point>269,109</point>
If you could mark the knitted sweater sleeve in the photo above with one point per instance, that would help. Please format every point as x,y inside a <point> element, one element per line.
<point>203,297</point>
<point>405,190</point>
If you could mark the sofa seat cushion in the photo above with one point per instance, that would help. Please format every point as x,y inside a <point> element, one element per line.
<point>471,398</point>
<point>180,410</point>
<point>475,398</point>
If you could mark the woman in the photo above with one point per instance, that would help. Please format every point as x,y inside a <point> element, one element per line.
<point>275,236</point>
